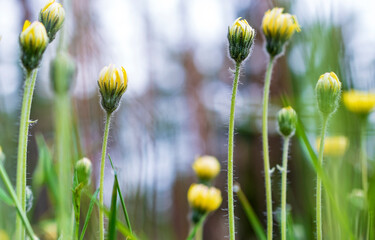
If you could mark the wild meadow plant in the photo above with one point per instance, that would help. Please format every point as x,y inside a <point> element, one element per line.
<point>74,171</point>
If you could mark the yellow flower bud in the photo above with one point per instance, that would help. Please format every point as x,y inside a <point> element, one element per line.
<point>112,85</point>
<point>206,167</point>
<point>287,120</point>
<point>203,198</point>
<point>52,16</point>
<point>83,170</point>
<point>241,37</point>
<point>278,28</point>
<point>328,91</point>
<point>334,146</point>
<point>359,102</point>
<point>33,41</point>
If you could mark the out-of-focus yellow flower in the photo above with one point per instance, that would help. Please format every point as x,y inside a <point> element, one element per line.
<point>49,230</point>
<point>278,28</point>
<point>3,235</point>
<point>206,167</point>
<point>334,146</point>
<point>52,16</point>
<point>328,91</point>
<point>203,198</point>
<point>359,102</point>
<point>241,37</point>
<point>33,41</point>
<point>112,85</point>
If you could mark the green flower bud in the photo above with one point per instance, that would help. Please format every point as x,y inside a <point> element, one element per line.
<point>62,71</point>
<point>112,85</point>
<point>52,16</point>
<point>83,171</point>
<point>33,41</point>
<point>241,37</point>
<point>328,91</point>
<point>29,198</point>
<point>287,121</point>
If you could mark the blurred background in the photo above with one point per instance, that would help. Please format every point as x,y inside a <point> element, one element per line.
<point>177,103</point>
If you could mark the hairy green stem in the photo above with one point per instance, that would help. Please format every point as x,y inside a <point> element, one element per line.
<point>266,149</point>
<point>102,164</point>
<point>22,147</point>
<point>284,173</point>
<point>319,232</point>
<point>230,153</point>
<point>21,213</point>
<point>363,154</point>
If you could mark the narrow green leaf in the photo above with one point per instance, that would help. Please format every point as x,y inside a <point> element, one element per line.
<point>250,214</point>
<point>5,197</point>
<point>113,213</point>
<point>89,211</point>
<point>121,197</point>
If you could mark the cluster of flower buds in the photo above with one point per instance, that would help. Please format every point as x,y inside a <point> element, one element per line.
<point>83,170</point>
<point>287,120</point>
<point>359,102</point>
<point>35,36</point>
<point>112,85</point>
<point>241,37</point>
<point>328,91</point>
<point>278,28</point>
<point>206,168</point>
<point>203,199</point>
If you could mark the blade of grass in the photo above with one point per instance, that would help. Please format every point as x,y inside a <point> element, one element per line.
<point>21,213</point>
<point>250,214</point>
<point>121,197</point>
<point>120,226</point>
<point>89,212</point>
<point>113,213</point>
<point>341,216</point>
<point>5,198</point>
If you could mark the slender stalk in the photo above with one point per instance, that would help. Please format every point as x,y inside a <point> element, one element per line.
<point>255,223</point>
<point>319,232</point>
<point>195,228</point>
<point>283,187</point>
<point>199,234</point>
<point>65,163</point>
<point>363,154</point>
<point>22,147</point>
<point>230,154</point>
<point>77,210</point>
<point>266,150</point>
<point>21,213</point>
<point>102,164</point>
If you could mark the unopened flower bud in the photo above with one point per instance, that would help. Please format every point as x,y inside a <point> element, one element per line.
<point>241,37</point>
<point>278,28</point>
<point>287,120</point>
<point>33,41</point>
<point>328,91</point>
<point>112,85</point>
<point>206,167</point>
<point>29,198</point>
<point>52,16</point>
<point>62,71</point>
<point>203,199</point>
<point>83,171</point>
<point>359,102</point>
